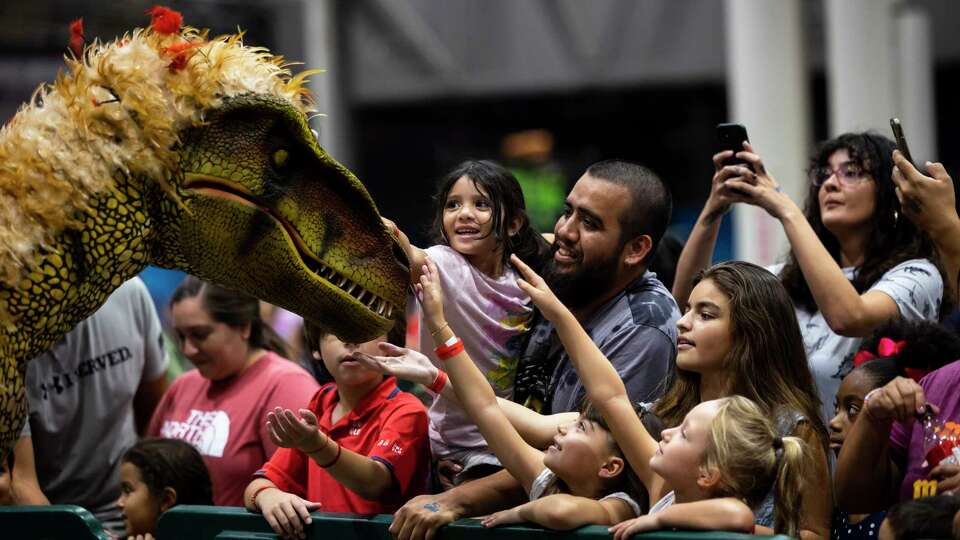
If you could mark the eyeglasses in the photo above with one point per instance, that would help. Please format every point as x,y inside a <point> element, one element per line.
<point>849,173</point>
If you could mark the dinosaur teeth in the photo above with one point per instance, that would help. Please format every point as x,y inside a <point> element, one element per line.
<point>381,307</point>
<point>351,287</point>
<point>341,281</point>
<point>372,302</point>
<point>389,311</point>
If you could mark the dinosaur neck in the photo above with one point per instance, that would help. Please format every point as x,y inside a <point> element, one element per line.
<point>75,274</point>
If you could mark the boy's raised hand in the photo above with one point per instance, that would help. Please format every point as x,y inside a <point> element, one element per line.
<point>538,290</point>
<point>405,364</point>
<point>289,431</point>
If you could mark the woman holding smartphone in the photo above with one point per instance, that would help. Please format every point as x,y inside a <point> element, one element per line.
<point>854,261</point>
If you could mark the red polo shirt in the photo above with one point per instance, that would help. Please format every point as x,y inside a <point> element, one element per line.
<point>388,425</point>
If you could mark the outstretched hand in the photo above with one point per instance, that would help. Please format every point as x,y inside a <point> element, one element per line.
<point>405,364</point>
<point>538,290</point>
<point>287,430</point>
<point>626,529</point>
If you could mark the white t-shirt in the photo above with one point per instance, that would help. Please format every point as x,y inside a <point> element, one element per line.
<point>81,393</point>
<point>546,478</point>
<point>490,316</point>
<point>917,288</point>
<point>664,502</point>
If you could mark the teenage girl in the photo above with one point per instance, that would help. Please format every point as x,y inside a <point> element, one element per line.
<point>156,475</point>
<point>480,221</point>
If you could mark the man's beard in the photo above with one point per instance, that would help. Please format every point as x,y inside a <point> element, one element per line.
<point>578,285</point>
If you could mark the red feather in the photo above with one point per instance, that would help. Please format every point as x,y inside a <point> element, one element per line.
<point>179,52</point>
<point>76,37</point>
<point>165,20</point>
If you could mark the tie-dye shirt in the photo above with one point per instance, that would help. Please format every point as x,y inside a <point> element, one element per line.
<point>490,316</point>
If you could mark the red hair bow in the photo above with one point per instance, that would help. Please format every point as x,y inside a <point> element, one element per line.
<point>885,349</point>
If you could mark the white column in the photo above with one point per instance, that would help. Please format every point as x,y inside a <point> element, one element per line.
<point>915,82</point>
<point>767,88</point>
<point>861,70</point>
<point>321,45</point>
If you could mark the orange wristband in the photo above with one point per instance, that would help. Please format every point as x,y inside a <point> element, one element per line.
<point>439,382</point>
<point>446,352</point>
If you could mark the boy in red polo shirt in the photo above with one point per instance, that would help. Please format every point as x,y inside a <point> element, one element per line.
<point>360,446</point>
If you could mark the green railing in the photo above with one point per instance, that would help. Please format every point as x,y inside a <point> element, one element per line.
<point>59,521</point>
<point>209,523</point>
<point>223,523</point>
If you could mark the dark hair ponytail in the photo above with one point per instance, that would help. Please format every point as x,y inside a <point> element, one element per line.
<point>506,197</point>
<point>233,309</point>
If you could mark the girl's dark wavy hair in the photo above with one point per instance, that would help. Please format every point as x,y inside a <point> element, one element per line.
<point>506,198</point>
<point>928,346</point>
<point>172,463</point>
<point>893,238</point>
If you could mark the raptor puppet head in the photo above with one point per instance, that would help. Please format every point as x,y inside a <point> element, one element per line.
<point>202,145</point>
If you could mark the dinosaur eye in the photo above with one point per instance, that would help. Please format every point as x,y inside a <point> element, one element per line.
<point>279,158</point>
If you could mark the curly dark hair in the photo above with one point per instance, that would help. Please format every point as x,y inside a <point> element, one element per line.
<point>928,346</point>
<point>893,238</point>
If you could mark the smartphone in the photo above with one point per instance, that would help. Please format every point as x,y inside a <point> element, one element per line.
<point>901,140</point>
<point>731,137</point>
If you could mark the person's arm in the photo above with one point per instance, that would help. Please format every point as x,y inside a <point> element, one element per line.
<point>867,479</point>
<point>145,401</point>
<point>697,253</point>
<point>23,482</point>
<point>416,256</point>
<point>723,514</point>
<point>409,365</point>
<point>847,312</point>
<point>474,391</point>
<point>563,512</point>
<point>817,494</point>
<point>366,477</point>
<point>605,389</point>
<point>421,517</point>
<point>930,202</point>
<point>285,512</point>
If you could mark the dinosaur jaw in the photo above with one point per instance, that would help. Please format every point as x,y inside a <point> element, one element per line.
<point>339,279</point>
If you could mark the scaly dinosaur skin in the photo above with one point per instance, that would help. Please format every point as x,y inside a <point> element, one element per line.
<point>241,195</point>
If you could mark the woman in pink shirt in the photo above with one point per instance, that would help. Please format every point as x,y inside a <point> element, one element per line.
<point>221,407</point>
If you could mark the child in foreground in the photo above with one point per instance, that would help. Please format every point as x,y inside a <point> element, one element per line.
<point>359,446</point>
<point>479,220</point>
<point>156,475</point>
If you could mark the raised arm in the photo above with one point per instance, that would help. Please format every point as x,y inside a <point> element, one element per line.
<point>697,253</point>
<point>930,202</point>
<point>409,365</point>
<point>474,392</point>
<point>603,385</point>
<point>846,311</point>
<point>416,256</point>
